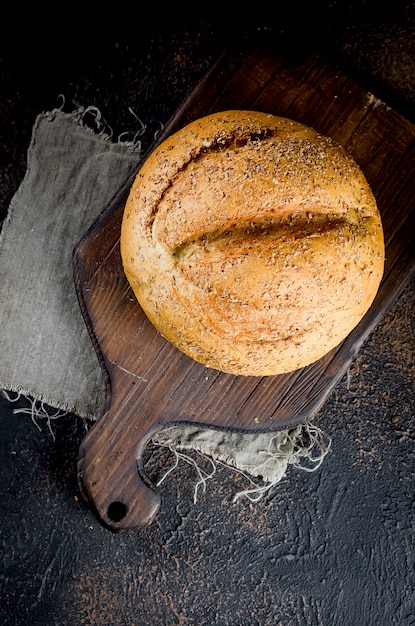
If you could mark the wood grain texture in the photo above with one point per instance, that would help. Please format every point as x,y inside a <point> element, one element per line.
<point>149,383</point>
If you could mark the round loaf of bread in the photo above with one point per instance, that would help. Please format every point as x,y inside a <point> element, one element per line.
<point>252,243</point>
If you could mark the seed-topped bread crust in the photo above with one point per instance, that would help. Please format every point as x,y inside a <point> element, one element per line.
<point>253,243</point>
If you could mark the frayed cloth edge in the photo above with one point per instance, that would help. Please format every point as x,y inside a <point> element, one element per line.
<point>319,441</point>
<point>43,400</point>
<point>102,130</point>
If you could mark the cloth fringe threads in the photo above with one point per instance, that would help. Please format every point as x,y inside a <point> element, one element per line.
<point>37,410</point>
<point>303,447</point>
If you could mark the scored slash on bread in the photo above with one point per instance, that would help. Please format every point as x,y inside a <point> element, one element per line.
<point>252,242</point>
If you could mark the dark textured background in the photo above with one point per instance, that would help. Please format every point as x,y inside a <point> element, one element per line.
<point>335,547</point>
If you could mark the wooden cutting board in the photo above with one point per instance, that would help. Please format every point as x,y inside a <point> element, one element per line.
<point>150,384</point>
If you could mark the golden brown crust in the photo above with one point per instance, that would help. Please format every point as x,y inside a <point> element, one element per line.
<point>252,243</point>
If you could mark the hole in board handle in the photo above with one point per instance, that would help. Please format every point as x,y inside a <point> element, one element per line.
<point>117,511</point>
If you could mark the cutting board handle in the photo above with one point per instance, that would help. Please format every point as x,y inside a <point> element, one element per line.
<point>110,472</point>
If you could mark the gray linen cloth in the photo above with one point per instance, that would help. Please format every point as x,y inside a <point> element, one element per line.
<point>46,352</point>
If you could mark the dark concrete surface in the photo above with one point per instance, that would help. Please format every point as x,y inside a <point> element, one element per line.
<point>335,547</point>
